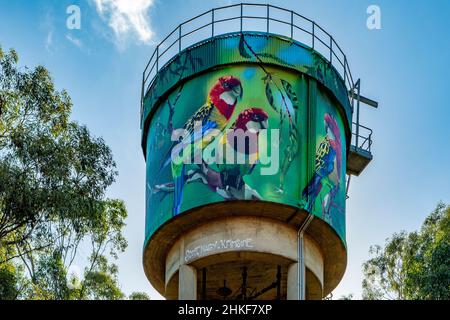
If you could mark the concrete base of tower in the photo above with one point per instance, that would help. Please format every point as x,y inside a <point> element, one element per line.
<point>243,256</point>
<point>250,256</point>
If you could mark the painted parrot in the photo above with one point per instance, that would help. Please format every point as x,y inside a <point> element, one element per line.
<point>214,114</point>
<point>328,160</point>
<point>228,180</point>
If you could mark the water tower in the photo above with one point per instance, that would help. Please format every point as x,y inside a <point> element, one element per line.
<point>271,226</point>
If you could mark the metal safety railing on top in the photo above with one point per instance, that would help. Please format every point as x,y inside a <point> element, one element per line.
<point>362,138</point>
<point>249,17</point>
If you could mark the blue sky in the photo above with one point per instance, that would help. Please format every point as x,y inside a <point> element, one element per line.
<point>405,66</point>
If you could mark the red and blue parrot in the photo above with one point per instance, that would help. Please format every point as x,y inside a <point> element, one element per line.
<point>249,123</point>
<point>213,115</point>
<point>228,180</point>
<point>328,162</point>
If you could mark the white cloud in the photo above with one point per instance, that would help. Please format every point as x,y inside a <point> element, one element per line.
<point>48,26</point>
<point>77,42</point>
<point>127,18</point>
<point>49,41</point>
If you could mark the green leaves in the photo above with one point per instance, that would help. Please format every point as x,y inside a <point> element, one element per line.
<point>8,282</point>
<point>269,96</point>
<point>412,265</point>
<point>100,283</point>
<point>139,296</point>
<point>242,48</point>
<point>290,93</point>
<point>268,90</point>
<point>54,175</point>
<point>285,109</point>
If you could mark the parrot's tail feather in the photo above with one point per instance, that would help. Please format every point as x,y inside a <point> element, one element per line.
<point>168,158</point>
<point>178,191</point>
<point>166,163</point>
<point>312,190</point>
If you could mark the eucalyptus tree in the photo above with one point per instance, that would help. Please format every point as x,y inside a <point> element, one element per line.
<point>54,175</point>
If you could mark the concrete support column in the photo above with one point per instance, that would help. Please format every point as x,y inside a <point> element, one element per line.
<point>292,282</point>
<point>187,283</point>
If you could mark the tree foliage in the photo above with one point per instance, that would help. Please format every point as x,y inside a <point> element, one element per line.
<point>139,296</point>
<point>53,178</point>
<point>412,265</point>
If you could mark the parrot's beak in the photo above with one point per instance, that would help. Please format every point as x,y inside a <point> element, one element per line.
<point>238,91</point>
<point>264,124</point>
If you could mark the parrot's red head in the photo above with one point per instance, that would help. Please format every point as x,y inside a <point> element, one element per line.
<point>331,126</point>
<point>225,94</point>
<point>250,121</point>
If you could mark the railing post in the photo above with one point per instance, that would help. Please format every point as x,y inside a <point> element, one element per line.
<point>179,38</point>
<point>157,58</point>
<point>142,93</point>
<point>242,13</point>
<point>268,15</point>
<point>212,23</point>
<point>345,68</point>
<point>331,50</point>
<point>313,35</point>
<point>292,24</point>
<point>357,111</point>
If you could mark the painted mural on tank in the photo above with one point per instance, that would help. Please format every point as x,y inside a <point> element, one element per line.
<point>193,132</point>
<point>241,98</point>
<point>249,99</point>
<point>325,193</point>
